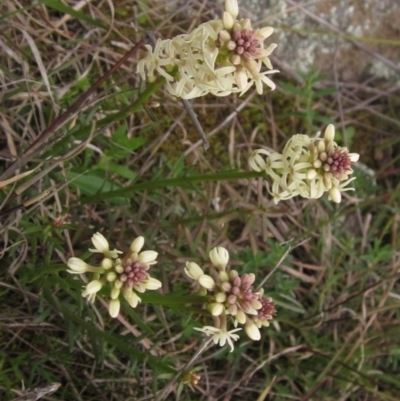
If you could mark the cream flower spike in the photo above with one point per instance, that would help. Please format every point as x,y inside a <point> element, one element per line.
<point>230,295</point>
<point>123,276</point>
<point>220,57</point>
<point>307,167</point>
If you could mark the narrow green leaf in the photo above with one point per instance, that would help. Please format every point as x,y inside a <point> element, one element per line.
<point>57,5</point>
<point>92,184</point>
<point>176,182</point>
<point>324,92</point>
<point>111,167</point>
<point>292,89</point>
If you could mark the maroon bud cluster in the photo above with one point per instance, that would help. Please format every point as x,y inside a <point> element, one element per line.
<point>244,44</point>
<point>240,292</point>
<point>134,273</point>
<point>339,163</point>
<point>267,309</point>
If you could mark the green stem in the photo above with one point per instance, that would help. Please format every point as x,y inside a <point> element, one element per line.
<point>176,182</point>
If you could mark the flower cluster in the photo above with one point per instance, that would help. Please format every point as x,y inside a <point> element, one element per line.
<point>230,295</point>
<point>126,276</point>
<point>190,378</point>
<point>308,167</point>
<point>220,57</point>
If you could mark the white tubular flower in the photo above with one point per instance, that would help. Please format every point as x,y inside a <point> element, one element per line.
<point>354,157</point>
<point>206,282</point>
<point>148,257</point>
<point>311,174</point>
<point>100,243</point>
<point>241,79</point>
<point>307,167</point>
<point>90,297</point>
<point>115,291</point>
<point>256,162</point>
<point>114,307</point>
<point>132,298</point>
<point>216,308</point>
<point>231,7</point>
<point>240,317</point>
<point>265,33</point>
<point>219,332</point>
<point>259,77</point>
<point>193,270</point>
<point>93,287</point>
<point>137,245</point>
<point>219,257</point>
<point>335,195</point>
<point>220,336</point>
<point>157,61</point>
<point>78,266</point>
<point>153,284</point>
<point>252,330</point>
<point>329,134</point>
<point>227,20</point>
<point>101,246</point>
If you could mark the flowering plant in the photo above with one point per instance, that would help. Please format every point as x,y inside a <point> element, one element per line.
<point>308,167</point>
<point>230,294</point>
<point>221,57</point>
<point>127,276</point>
